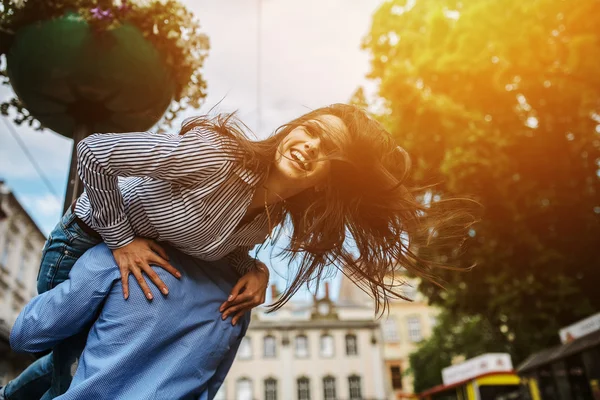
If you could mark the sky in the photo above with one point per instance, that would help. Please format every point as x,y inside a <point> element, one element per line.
<point>310,57</point>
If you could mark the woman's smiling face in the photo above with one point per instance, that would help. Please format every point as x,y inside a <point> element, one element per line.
<point>302,155</point>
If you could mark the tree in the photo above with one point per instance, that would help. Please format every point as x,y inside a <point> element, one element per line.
<point>500,99</point>
<point>454,337</point>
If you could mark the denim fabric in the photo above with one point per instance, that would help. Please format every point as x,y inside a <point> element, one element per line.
<point>66,243</point>
<point>31,384</point>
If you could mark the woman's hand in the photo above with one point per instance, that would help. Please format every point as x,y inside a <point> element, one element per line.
<point>247,293</point>
<point>137,257</point>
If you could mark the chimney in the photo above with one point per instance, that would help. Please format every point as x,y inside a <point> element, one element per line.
<point>274,294</point>
<point>327,290</point>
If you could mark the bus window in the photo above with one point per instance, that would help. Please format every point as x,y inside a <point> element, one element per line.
<point>525,388</point>
<point>591,360</point>
<point>546,384</point>
<point>499,392</point>
<point>450,394</point>
<point>461,393</point>
<point>561,377</point>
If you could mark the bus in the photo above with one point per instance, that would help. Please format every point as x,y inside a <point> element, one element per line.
<point>570,371</point>
<point>486,377</point>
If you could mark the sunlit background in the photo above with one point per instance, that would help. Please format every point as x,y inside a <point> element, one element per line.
<point>310,56</point>
<point>494,99</point>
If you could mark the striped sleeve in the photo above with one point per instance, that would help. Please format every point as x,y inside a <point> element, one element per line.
<point>242,261</point>
<point>102,158</point>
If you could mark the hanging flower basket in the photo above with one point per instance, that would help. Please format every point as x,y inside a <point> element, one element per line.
<point>115,67</point>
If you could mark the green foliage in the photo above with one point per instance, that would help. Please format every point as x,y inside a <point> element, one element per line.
<point>168,25</point>
<point>500,99</point>
<point>454,337</point>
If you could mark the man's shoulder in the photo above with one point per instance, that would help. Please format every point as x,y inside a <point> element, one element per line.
<point>97,258</point>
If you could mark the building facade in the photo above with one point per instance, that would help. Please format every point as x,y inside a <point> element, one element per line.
<point>406,325</point>
<point>317,351</point>
<point>21,243</point>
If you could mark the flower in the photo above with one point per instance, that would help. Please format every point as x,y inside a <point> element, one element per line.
<point>98,13</point>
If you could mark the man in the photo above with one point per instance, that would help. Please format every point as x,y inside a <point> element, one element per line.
<point>173,347</point>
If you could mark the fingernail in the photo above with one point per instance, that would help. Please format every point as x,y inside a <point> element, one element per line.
<point>230,297</point>
<point>165,290</point>
<point>149,295</point>
<point>177,274</point>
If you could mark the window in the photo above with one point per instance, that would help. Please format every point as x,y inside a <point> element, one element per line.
<point>301,346</point>
<point>433,321</point>
<point>354,385</point>
<point>414,328</point>
<point>303,389</point>
<point>390,330</point>
<point>6,249</point>
<point>561,379</point>
<point>245,350</point>
<point>3,373</point>
<point>396,376</point>
<point>270,347</point>
<point>244,389</point>
<point>270,389</point>
<point>23,263</point>
<point>327,346</point>
<point>351,345</point>
<point>409,291</point>
<point>21,269</point>
<point>329,388</point>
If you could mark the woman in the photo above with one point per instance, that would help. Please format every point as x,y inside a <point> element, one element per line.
<point>333,176</point>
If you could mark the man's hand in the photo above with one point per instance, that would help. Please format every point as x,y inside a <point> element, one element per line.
<point>247,293</point>
<point>137,257</point>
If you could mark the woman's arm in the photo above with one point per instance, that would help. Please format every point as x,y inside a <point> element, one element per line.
<point>250,289</point>
<point>241,260</point>
<point>189,159</point>
<point>102,158</point>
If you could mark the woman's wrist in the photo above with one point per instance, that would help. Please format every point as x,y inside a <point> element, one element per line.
<point>261,267</point>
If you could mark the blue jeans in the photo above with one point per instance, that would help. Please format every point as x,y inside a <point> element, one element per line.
<point>51,375</point>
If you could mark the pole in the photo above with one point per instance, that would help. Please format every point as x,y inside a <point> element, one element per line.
<point>74,186</point>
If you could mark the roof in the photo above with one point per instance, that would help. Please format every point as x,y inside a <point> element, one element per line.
<point>312,324</point>
<point>558,352</point>
<point>13,199</point>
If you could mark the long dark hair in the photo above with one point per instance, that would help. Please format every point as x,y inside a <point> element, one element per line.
<point>365,222</point>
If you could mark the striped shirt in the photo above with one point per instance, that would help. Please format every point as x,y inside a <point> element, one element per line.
<point>182,189</point>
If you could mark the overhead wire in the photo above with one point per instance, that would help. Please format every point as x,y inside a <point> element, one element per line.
<point>32,160</point>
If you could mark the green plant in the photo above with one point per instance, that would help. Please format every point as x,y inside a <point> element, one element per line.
<point>168,25</point>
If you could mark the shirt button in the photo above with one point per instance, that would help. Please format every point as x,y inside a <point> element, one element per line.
<point>217,238</point>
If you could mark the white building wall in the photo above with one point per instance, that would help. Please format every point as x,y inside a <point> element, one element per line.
<point>21,243</point>
<point>286,367</point>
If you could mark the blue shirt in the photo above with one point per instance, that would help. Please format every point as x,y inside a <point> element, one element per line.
<point>173,347</point>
